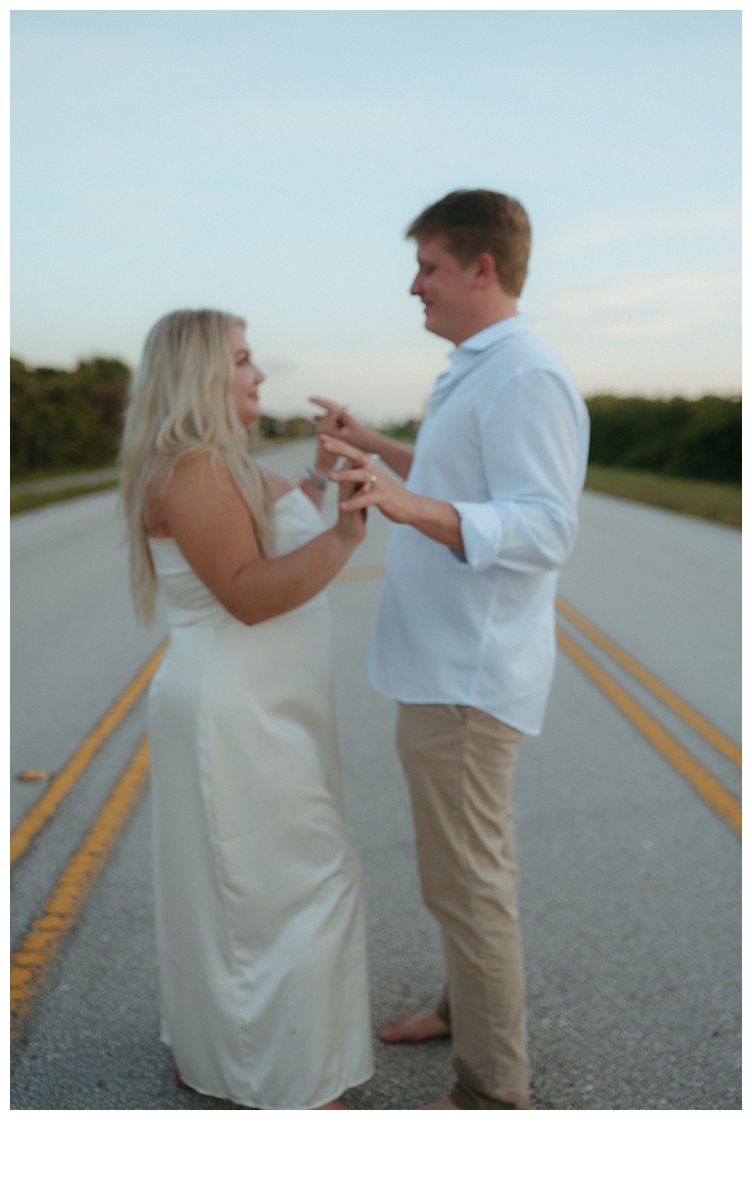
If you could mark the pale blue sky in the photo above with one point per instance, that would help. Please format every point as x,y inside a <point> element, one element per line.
<point>268,163</point>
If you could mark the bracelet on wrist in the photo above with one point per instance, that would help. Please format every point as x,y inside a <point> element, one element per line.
<point>318,478</point>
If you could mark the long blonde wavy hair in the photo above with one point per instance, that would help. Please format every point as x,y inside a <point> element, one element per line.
<point>181,404</point>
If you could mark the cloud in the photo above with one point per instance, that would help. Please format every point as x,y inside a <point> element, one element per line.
<point>653,306</point>
<point>611,230</point>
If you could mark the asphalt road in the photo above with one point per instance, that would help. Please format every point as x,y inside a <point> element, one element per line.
<point>630,865</point>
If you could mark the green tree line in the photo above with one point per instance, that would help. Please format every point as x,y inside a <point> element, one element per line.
<point>695,439</point>
<point>66,418</point>
<point>61,419</point>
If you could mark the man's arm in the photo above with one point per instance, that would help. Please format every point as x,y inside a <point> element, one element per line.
<point>534,452</point>
<point>534,449</point>
<point>337,422</point>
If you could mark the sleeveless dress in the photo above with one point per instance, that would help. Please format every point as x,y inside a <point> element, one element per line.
<point>259,892</point>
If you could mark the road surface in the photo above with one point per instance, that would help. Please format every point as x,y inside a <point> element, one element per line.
<point>627,815</point>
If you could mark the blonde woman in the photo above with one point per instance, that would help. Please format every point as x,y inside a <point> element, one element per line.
<point>259,898</point>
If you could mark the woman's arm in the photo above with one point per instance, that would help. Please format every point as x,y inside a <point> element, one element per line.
<point>314,485</point>
<point>208,518</point>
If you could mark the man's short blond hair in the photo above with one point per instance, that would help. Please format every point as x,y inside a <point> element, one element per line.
<point>481,222</point>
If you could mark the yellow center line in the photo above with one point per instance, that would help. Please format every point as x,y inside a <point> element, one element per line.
<point>688,766</point>
<point>704,783</point>
<point>659,689</point>
<point>50,800</point>
<point>31,964</point>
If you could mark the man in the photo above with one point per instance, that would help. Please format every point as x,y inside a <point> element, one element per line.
<point>465,634</point>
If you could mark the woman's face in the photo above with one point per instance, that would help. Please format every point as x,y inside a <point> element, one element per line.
<point>246,377</point>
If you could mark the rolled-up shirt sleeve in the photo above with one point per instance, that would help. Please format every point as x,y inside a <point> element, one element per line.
<point>534,451</point>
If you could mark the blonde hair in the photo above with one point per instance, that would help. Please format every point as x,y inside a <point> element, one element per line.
<point>181,404</point>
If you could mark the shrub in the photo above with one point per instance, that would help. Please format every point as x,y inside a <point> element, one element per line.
<point>699,439</point>
<point>66,418</point>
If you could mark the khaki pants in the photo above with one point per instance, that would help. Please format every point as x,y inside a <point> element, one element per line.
<point>459,763</point>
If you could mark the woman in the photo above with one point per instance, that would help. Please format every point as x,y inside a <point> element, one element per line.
<point>259,898</point>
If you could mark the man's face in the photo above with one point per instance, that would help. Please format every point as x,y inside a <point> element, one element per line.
<point>446,289</point>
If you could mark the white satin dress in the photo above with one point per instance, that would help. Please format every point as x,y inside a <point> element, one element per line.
<point>259,892</point>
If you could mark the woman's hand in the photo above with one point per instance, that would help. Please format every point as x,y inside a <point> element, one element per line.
<point>324,461</point>
<point>351,522</point>
<point>370,484</point>
<point>336,421</point>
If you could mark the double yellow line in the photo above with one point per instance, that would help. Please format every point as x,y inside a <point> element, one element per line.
<point>704,783</point>
<point>713,792</point>
<point>31,964</point>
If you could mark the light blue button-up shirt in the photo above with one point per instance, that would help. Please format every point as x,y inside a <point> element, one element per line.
<point>505,441</point>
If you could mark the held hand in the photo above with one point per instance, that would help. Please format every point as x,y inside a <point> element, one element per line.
<point>336,421</point>
<point>370,483</point>
<point>351,523</point>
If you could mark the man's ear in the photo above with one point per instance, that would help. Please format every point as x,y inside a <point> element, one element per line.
<point>485,269</point>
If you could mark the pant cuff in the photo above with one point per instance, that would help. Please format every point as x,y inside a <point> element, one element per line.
<point>465,1097</point>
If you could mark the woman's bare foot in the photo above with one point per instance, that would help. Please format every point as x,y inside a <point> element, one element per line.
<point>331,1104</point>
<point>415,1027</point>
<point>445,1103</point>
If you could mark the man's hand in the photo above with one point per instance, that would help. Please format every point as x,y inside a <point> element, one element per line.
<point>435,518</point>
<point>372,484</point>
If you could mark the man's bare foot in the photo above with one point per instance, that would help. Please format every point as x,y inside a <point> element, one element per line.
<point>445,1103</point>
<point>331,1104</point>
<point>415,1027</point>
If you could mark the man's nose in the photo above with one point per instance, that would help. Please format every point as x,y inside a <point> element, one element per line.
<point>415,287</point>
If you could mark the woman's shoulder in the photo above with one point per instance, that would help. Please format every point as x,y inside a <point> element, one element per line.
<point>180,479</point>
<point>196,482</point>
<point>197,469</point>
<point>209,466</point>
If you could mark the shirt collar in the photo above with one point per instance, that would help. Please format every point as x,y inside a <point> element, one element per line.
<point>492,334</point>
<point>463,358</point>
